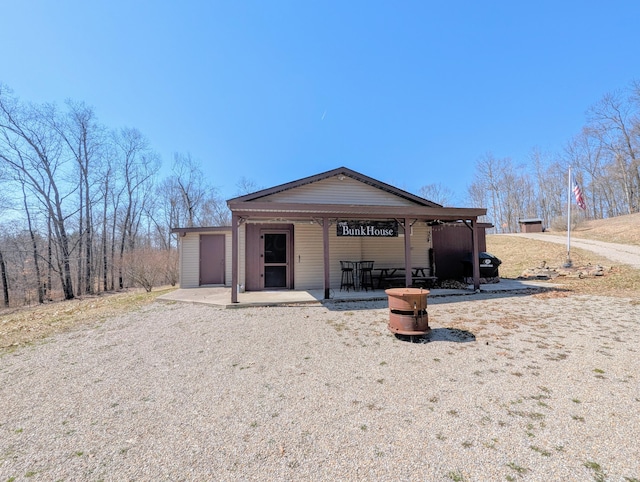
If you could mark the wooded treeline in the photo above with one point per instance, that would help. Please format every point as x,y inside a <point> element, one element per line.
<point>82,206</point>
<point>604,157</point>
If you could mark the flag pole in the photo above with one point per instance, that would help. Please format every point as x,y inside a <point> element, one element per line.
<point>568,262</point>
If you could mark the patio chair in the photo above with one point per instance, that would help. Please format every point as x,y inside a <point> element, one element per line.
<point>366,275</point>
<point>347,280</point>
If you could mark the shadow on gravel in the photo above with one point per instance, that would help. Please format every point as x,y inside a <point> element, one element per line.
<point>440,334</point>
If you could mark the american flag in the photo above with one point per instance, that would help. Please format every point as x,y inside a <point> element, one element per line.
<point>577,192</point>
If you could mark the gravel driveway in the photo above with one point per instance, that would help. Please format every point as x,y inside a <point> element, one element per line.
<point>520,387</point>
<point>620,253</point>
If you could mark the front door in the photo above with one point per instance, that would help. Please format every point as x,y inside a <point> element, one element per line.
<point>275,259</point>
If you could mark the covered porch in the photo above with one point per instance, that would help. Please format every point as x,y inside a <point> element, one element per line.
<point>327,216</point>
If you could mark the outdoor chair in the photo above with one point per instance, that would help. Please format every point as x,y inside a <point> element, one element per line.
<point>366,275</point>
<point>347,280</point>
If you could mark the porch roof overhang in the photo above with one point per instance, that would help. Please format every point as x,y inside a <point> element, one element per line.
<point>270,210</point>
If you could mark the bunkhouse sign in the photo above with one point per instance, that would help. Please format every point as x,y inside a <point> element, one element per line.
<point>374,229</point>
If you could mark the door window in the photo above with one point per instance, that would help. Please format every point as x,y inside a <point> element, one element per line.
<point>275,260</point>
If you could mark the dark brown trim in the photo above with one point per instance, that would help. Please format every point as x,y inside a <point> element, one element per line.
<point>407,252</point>
<point>327,264</point>
<point>234,257</point>
<point>254,255</point>
<point>476,256</point>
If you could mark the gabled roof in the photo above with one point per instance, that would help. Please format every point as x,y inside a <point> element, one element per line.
<point>328,174</point>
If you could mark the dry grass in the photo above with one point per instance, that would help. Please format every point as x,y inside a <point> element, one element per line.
<point>21,326</point>
<point>518,254</point>
<point>621,229</point>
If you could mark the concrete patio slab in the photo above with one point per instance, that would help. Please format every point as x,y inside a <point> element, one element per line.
<point>221,296</point>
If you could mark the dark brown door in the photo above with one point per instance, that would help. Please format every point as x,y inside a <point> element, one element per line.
<point>276,259</point>
<point>212,259</point>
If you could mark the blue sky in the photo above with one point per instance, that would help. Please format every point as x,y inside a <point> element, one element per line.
<point>408,92</point>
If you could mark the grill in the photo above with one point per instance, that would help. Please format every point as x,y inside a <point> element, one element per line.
<point>408,311</point>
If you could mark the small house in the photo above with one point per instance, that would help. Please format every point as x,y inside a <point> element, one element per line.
<point>295,235</point>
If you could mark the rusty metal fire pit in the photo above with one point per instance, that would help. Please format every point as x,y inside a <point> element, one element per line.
<point>408,311</point>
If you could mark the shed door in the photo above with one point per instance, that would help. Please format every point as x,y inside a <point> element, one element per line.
<point>212,259</point>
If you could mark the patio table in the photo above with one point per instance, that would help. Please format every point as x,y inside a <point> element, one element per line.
<point>388,275</point>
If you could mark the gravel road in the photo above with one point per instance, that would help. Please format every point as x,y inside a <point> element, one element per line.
<point>509,387</point>
<point>620,253</point>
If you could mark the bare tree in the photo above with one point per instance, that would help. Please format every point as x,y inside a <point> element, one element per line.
<point>87,199</point>
<point>112,193</point>
<point>489,174</point>
<point>437,193</point>
<point>165,211</point>
<point>549,186</point>
<point>137,166</point>
<point>84,139</point>
<point>215,212</point>
<point>3,278</point>
<point>186,198</point>
<point>3,267</point>
<point>34,247</point>
<point>190,183</point>
<point>614,122</point>
<point>246,186</point>
<point>506,190</point>
<point>33,151</point>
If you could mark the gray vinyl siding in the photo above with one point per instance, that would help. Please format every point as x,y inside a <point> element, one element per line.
<point>385,252</point>
<point>190,260</point>
<point>335,191</point>
<point>389,252</point>
<point>342,248</point>
<point>309,254</point>
<point>308,259</point>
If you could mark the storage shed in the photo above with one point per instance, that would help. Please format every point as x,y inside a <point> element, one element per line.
<point>533,225</point>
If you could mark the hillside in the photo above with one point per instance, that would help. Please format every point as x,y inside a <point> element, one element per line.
<point>621,229</point>
<point>518,254</point>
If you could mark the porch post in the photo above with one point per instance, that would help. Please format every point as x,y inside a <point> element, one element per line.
<point>407,253</point>
<point>476,255</point>
<point>234,258</point>
<point>327,264</point>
